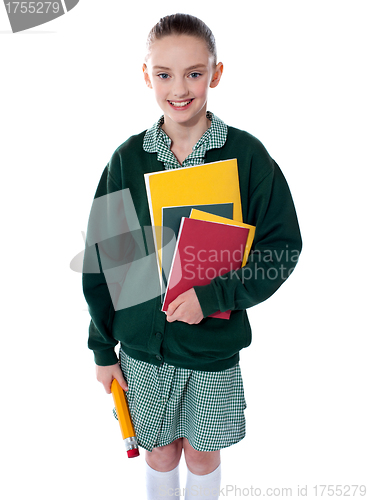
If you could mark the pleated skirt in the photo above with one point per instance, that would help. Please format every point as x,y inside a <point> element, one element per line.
<point>167,403</point>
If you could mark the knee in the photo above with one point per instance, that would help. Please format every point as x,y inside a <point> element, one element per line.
<point>200,462</point>
<point>165,458</point>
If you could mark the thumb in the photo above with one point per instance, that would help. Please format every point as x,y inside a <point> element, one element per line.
<point>120,379</point>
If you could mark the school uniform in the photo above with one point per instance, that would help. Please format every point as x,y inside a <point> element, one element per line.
<point>185,380</point>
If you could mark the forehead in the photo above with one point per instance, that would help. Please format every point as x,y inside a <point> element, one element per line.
<point>174,50</point>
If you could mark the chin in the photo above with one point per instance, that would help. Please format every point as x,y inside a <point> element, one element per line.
<point>185,117</point>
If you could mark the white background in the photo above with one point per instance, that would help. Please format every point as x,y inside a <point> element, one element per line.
<point>71,92</point>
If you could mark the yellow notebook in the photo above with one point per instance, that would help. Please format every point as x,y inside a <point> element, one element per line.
<point>216,182</point>
<point>198,214</point>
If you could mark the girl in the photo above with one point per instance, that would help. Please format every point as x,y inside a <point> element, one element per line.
<point>181,370</point>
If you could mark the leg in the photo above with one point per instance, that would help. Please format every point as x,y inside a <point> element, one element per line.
<point>200,462</point>
<point>162,470</point>
<point>204,472</point>
<point>165,458</point>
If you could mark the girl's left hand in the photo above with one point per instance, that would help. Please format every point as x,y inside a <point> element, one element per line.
<point>185,308</point>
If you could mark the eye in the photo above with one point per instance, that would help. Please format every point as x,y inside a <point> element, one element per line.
<point>195,74</point>
<point>163,76</point>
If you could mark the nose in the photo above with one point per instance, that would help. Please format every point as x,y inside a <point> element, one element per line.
<point>180,88</point>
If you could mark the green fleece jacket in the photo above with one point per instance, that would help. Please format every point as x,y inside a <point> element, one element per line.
<point>140,325</point>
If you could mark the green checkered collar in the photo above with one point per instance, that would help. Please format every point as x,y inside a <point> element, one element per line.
<point>156,141</point>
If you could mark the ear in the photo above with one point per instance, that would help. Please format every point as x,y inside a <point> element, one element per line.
<point>217,75</point>
<point>146,76</point>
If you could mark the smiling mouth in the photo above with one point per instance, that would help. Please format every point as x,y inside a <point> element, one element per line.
<point>180,104</point>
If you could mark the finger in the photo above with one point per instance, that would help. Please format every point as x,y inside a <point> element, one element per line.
<point>107,386</point>
<point>172,307</point>
<point>171,318</point>
<point>177,312</point>
<point>118,375</point>
<point>105,381</point>
<point>121,381</point>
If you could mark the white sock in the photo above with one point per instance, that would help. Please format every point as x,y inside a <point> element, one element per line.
<point>207,486</point>
<point>161,485</point>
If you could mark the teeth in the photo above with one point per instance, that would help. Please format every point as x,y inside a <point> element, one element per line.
<point>180,104</point>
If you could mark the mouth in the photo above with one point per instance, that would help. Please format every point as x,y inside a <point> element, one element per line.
<point>180,104</point>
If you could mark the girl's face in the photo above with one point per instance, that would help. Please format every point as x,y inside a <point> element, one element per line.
<point>180,70</point>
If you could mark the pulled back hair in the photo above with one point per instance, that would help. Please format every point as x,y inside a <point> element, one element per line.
<point>182,24</point>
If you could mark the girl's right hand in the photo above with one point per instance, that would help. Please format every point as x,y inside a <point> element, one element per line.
<point>106,374</point>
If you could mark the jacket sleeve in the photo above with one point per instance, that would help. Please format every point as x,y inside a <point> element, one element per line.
<point>107,240</point>
<point>276,248</point>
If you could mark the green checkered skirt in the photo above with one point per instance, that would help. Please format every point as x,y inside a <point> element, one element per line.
<point>167,403</point>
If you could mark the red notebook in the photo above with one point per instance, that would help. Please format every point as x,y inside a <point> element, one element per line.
<point>204,250</point>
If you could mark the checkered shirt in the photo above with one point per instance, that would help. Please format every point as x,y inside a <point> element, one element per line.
<point>157,141</point>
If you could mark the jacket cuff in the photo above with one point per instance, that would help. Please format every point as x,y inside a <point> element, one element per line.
<point>106,357</point>
<point>207,299</point>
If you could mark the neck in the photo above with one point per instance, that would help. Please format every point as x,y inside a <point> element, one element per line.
<point>186,135</point>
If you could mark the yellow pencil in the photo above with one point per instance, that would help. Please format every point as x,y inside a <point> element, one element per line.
<point>125,421</point>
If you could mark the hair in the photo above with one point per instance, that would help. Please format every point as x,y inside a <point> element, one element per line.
<point>182,24</point>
